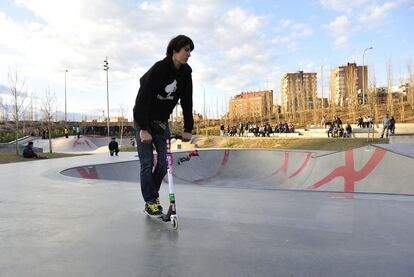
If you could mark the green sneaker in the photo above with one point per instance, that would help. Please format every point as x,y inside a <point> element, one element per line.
<point>159,204</point>
<point>151,209</point>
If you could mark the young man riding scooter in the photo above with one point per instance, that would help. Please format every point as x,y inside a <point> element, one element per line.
<point>166,82</point>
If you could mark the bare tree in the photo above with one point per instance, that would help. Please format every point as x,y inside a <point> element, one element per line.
<point>122,113</point>
<point>277,108</point>
<point>333,102</point>
<point>372,94</point>
<point>390,106</point>
<point>373,102</point>
<point>351,75</point>
<point>315,107</point>
<point>410,93</point>
<point>17,87</point>
<point>322,95</point>
<point>48,110</point>
<point>401,101</point>
<point>3,110</point>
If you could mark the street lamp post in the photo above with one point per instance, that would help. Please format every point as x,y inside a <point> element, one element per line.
<point>106,68</point>
<point>363,77</point>
<point>204,109</point>
<point>66,112</point>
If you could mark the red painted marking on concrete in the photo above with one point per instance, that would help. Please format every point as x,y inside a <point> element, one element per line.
<point>78,141</point>
<point>223,164</point>
<point>225,158</point>
<point>75,142</point>
<point>89,173</point>
<point>304,164</point>
<point>348,171</point>
<point>88,143</point>
<point>284,166</point>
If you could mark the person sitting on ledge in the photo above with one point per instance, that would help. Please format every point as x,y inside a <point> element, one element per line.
<point>29,153</point>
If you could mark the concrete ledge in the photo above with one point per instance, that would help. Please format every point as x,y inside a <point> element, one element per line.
<point>274,135</point>
<point>6,147</point>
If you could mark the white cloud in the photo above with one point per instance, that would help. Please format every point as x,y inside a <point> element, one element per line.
<point>339,25</point>
<point>359,16</point>
<point>289,32</point>
<point>340,29</point>
<point>77,35</point>
<point>307,66</point>
<point>237,26</point>
<point>345,6</point>
<point>376,15</point>
<point>283,24</point>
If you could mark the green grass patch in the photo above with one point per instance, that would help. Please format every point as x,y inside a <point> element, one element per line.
<point>128,148</point>
<point>11,157</point>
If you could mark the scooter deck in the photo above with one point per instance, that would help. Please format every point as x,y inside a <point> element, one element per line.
<point>162,217</point>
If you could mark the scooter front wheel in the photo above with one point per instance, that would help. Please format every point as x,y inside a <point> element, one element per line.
<point>174,222</point>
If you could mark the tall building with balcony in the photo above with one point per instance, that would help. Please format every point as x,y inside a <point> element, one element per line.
<point>251,105</point>
<point>347,83</point>
<point>299,91</point>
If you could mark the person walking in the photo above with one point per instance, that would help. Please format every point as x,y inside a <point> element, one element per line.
<point>166,82</point>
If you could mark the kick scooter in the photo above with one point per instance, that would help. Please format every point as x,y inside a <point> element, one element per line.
<point>172,211</point>
<point>171,215</point>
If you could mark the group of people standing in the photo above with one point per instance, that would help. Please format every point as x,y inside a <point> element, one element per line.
<point>365,122</point>
<point>335,128</point>
<point>75,129</point>
<point>264,130</point>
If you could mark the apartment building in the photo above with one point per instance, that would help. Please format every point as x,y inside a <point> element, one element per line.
<point>347,83</point>
<point>299,91</point>
<point>251,105</point>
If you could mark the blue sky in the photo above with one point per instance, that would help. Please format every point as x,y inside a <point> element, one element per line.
<point>239,45</point>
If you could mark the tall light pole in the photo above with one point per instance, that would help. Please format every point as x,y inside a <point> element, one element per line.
<point>106,68</point>
<point>66,112</point>
<point>204,109</point>
<point>363,72</point>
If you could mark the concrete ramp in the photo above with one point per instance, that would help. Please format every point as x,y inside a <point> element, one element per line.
<point>100,141</point>
<point>370,169</point>
<point>67,145</point>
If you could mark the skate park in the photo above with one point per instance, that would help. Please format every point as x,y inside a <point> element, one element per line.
<point>246,212</point>
<point>297,138</point>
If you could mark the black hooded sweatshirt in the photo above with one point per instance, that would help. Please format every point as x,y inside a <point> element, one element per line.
<point>161,88</point>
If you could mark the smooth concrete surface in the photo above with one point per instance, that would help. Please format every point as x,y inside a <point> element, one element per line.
<point>368,169</point>
<point>92,144</point>
<point>57,225</point>
<point>84,144</point>
<point>402,139</point>
<point>403,149</point>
